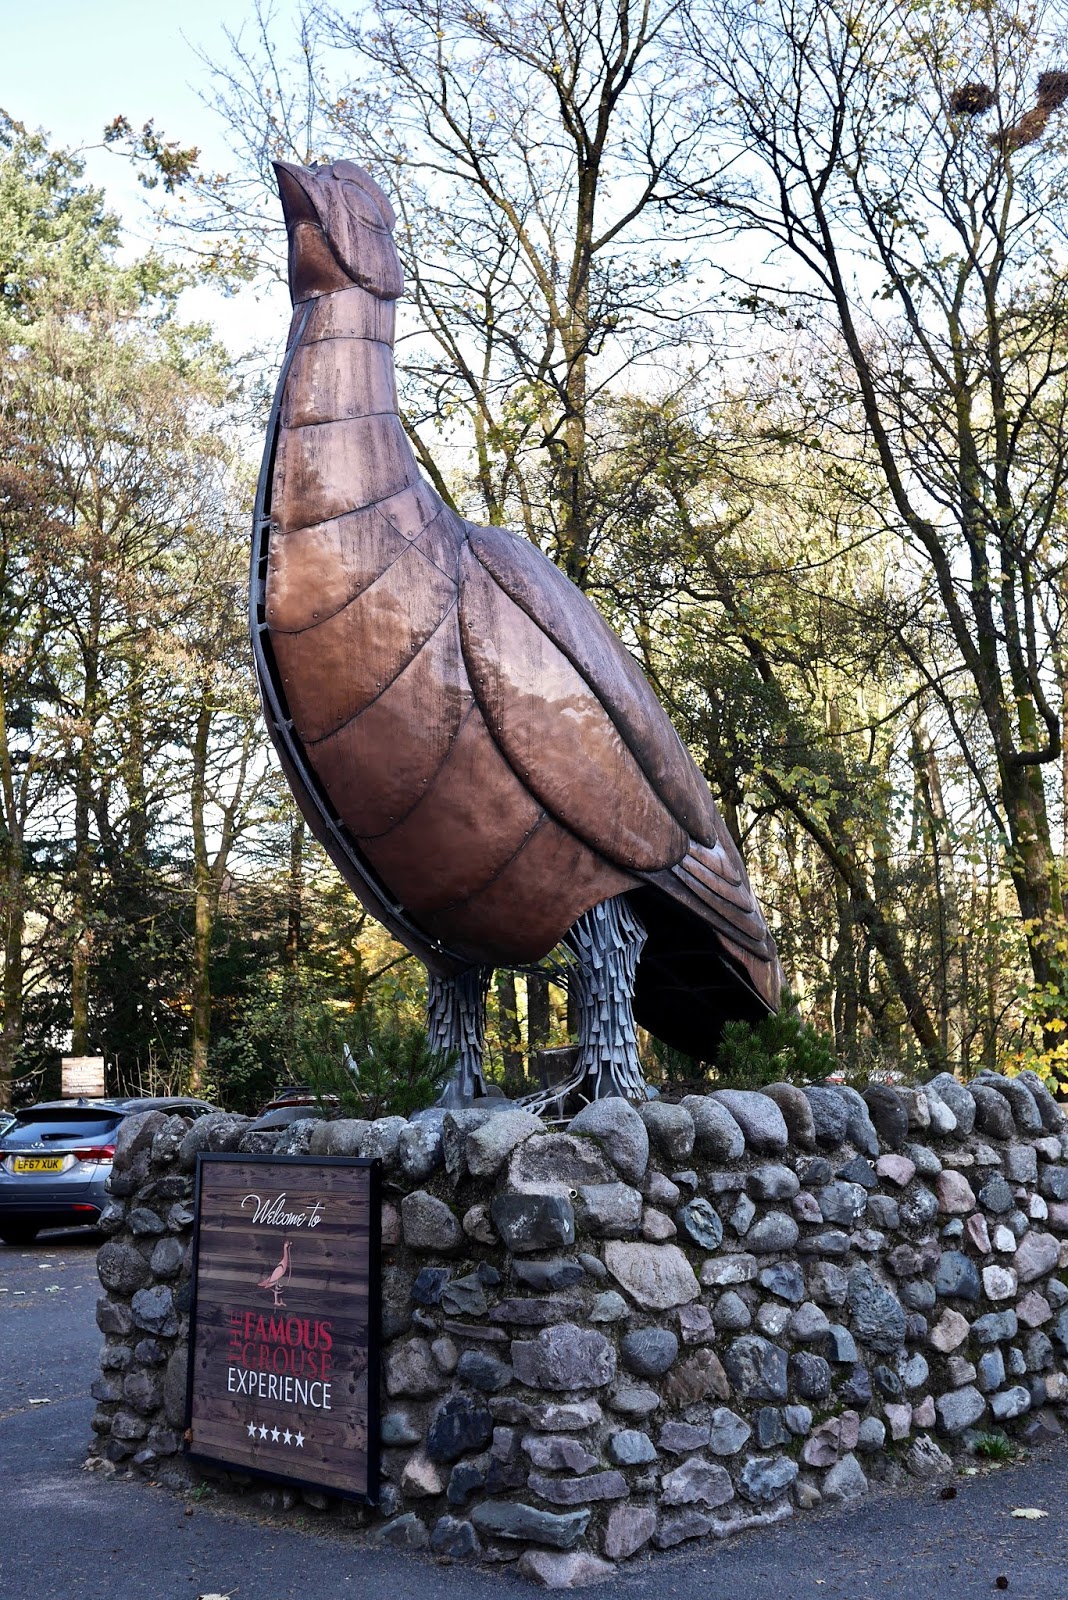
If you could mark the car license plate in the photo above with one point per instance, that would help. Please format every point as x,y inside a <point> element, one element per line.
<point>39,1163</point>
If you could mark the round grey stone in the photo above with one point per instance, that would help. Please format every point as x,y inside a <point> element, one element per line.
<point>728,1432</point>
<point>888,1113</point>
<point>528,1222</point>
<point>489,1146</point>
<point>830,1115</point>
<point>671,1128</point>
<point>757,1368</point>
<point>421,1149</point>
<point>772,1233</point>
<point>429,1224</point>
<point>765,1478</point>
<point>631,1448</point>
<point>702,1223</point>
<point>716,1133</point>
<point>167,1257</point>
<point>609,1307</point>
<point>153,1310</point>
<point>796,1111</point>
<point>955,1095</point>
<point>871,1435</point>
<point>956,1276</point>
<point>844,1203</point>
<point>759,1118</point>
<point>459,1425</point>
<point>786,1280</point>
<point>648,1352</point>
<point>993,1114</point>
<point>731,1314</point>
<point>773,1182</point>
<point>480,1370</point>
<point>878,1317</point>
<point>810,1376</point>
<point>121,1268</point>
<point>845,1481</point>
<point>619,1131</point>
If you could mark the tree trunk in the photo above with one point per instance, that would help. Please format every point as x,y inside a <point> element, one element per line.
<point>204,902</point>
<point>950,945</point>
<point>538,1016</point>
<point>294,914</point>
<point>508,1024</point>
<point>203,923</point>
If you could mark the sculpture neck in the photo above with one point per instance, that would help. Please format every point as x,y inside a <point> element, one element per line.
<point>350,313</point>
<point>342,445</point>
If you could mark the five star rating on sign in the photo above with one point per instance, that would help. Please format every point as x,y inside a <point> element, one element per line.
<point>260,1430</point>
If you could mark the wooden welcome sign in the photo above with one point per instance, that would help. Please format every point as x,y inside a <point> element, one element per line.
<point>284,1326</point>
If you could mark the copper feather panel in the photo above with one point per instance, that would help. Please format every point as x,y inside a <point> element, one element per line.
<point>556,733</point>
<point>579,631</point>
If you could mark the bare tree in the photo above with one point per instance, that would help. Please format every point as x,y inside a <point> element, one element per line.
<point>527,149</point>
<point>901,172</point>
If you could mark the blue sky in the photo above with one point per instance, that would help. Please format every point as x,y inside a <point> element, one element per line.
<point>71,66</point>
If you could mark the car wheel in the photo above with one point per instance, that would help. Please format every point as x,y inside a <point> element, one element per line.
<point>19,1232</point>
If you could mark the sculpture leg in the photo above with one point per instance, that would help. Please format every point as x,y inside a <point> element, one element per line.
<point>605,943</point>
<point>456,1021</point>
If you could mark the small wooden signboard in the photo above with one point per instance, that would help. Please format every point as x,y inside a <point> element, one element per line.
<point>82,1077</point>
<point>284,1325</point>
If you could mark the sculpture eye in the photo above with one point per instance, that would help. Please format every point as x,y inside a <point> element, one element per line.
<point>363,207</point>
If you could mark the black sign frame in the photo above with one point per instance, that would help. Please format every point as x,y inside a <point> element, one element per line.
<point>373,1168</point>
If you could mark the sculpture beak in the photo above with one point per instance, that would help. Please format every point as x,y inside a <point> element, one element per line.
<point>314,267</point>
<point>297,204</point>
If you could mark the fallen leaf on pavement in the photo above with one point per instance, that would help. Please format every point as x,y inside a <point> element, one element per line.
<point>1031,1513</point>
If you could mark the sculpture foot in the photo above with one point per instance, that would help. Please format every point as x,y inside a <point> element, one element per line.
<point>456,1023</point>
<point>605,943</point>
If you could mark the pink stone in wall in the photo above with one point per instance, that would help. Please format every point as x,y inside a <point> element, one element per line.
<point>1034,1309</point>
<point>899,1420</point>
<point>978,1232</point>
<point>831,1440</point>
<point>923,1415</point>
<point>806,1208</point>
<point>1038,1254</point>
<point>898,1169</point>
<point>950,1330</point>
<point>955,1197</point>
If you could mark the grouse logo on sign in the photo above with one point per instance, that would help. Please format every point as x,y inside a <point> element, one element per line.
<point>283,1377</point>
<point>274,1280</point>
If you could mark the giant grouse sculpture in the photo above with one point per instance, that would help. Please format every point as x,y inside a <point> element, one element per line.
<point>474,747</point>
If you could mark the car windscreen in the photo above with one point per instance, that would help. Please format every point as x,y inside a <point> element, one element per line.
<point>57,1127</point>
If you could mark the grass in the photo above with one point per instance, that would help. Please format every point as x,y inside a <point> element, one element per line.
<point>994,1447</point>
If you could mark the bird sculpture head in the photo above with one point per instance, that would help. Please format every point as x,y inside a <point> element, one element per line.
<point>340,228</point>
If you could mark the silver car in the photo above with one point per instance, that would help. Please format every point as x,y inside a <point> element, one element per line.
<point>56,1159</point>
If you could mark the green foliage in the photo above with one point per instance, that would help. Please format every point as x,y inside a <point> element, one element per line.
<point>1044,1008</point>
<point>994,1447</point>
<point>673,1067</point>
<point>390,1069</point>
<point>781,1047</point>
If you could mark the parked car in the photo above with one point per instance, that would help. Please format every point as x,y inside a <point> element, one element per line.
<point>56,1159</point>
<point>293,1105</point>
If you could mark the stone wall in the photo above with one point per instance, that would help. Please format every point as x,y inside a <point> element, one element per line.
<point>659,1324</point>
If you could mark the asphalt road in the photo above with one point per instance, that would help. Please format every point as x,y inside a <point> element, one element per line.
<point>71,1535</point>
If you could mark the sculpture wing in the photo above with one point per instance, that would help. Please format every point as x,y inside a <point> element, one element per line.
<point>569,708</point>
<point>579,723</point>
